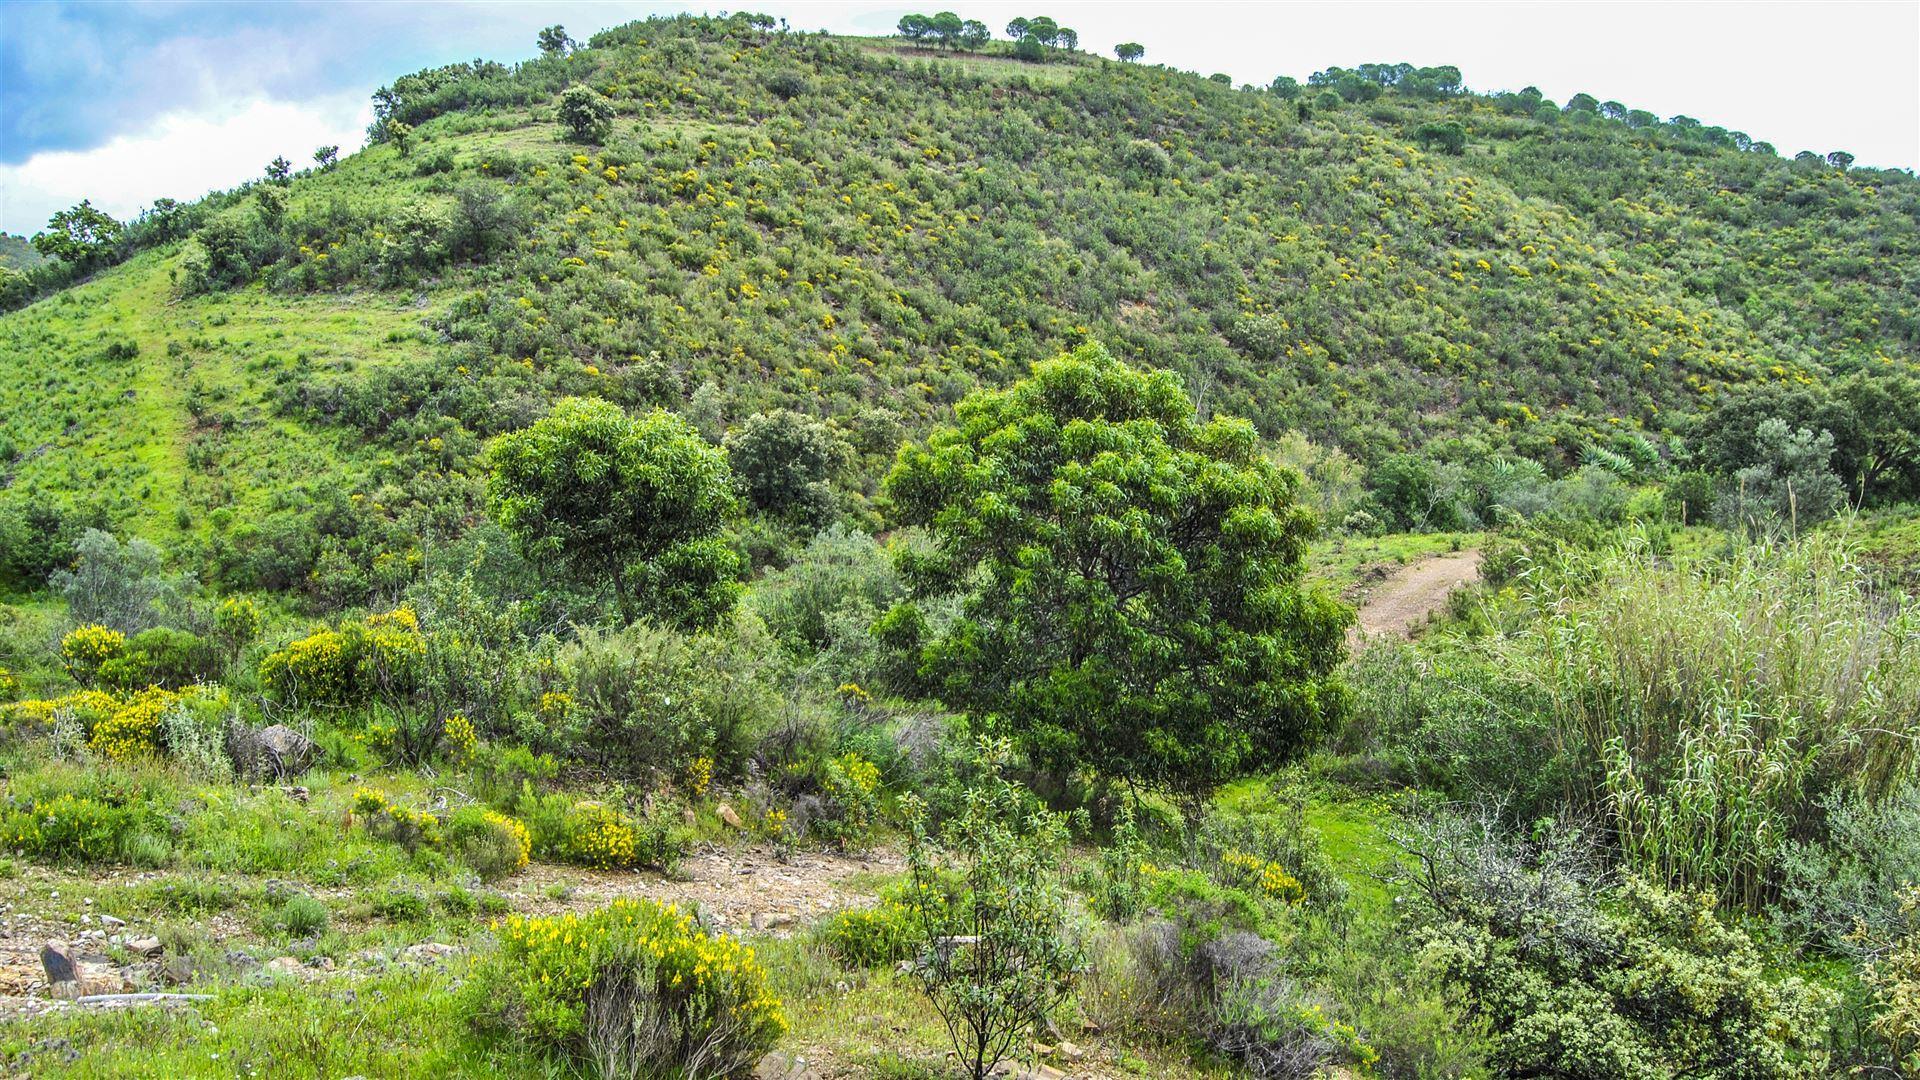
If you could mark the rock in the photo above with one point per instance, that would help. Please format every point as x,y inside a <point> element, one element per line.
<point>1071,1051</point>
<point>58,960</point>
<point>283,751</point>
<point>770,920</point>
<point>176,970</point>
<point>144,946</point>
<point>112,923</point>
<point>728,815</point>
<point>285,965</point>
<point>428,950</point>
<point>689,818</point>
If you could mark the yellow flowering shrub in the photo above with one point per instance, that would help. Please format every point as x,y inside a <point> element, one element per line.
<point>491,843</point>
<point>237,621</point>
<point>132,729</point>
<point>383,818</point>
<point>599,837</point>
<point>877,936</point>
<point>457,734</point>
<point>682,1002</point>
<point>88,706</point>
<point>852,784</point>
<point>86,648</point>
<point>1269,877</point>
<point>9,685</point>
<point>351,665</point>
<point>699,775</point>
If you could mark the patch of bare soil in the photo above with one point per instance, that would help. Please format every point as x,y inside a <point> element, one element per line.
<point>1409,596</point>
<point>735,889</point>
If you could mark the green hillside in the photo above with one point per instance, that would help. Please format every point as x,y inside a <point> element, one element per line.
<point>865,231</point>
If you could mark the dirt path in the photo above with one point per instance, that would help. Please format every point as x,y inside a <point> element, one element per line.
<point>1402,602</point>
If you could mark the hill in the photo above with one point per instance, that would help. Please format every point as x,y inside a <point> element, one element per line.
<point>302,371</point>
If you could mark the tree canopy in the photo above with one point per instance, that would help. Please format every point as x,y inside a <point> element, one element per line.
<point>611,499</point>
<point>1131,579</point>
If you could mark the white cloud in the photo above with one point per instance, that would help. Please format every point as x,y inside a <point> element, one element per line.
<point>181,156</point>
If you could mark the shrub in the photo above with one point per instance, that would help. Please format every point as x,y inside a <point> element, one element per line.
<point>852,787</point>
<point>85,650</point>
<point>987,899</point>
<point>69,827</point>
<point>411,829</point>
<point>378,658</point>
<point>1573,978</point>
<point>501,773</point>
<point>491,843</point>
<point>458,737</point>
<point>160,657</point>
<point>118,586</point>
<point>588,834</point>
<point>879,936</point>
<point>1894,977</point>
<point>297,916</point>
<point>1849,886</point>
<point>9,685</point>
<point>634,989</point>
<point>586,112</point>
<point>236,622</point>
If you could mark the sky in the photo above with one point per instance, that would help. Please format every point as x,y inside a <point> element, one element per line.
<point>127,102</point>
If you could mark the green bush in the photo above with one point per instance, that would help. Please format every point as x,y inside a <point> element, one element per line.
<point>72,828</point>
<point>873,937</point>
<point>161,657</point>
<point>631,990</point>
<point>492,844</point>
<point>297,916</point>
<point>1572,978</point>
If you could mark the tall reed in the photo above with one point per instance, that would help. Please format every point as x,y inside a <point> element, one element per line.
<point>1714,703</point>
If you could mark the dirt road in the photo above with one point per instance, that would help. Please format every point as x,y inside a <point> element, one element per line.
<point>1402,602</point>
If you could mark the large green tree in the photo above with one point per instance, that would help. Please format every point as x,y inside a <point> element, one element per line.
<point>635,503</point>
<point>1131,579</point>
<point>82,237</point>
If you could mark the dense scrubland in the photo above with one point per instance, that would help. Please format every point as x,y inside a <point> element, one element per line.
<point>463,597</point>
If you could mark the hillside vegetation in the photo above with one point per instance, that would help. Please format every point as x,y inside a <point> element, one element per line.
<point>866,231</point>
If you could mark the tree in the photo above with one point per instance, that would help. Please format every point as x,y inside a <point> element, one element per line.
<point>82,236</point>
<point>946,27</point>
<point>1129,51</point>
<point>326,157</point>
<point>1790,485</point>
<point>1284,87</point>
<point>1067,39</point>
<point>280,171</point>
<point>974,35</point>
<point>783,460</point>
<point>586,112</point>
<point>1130,579</point>
<point>610,499</point>
<point>915,27</point>
<point>1449,135</point>
<point>1017,29</point>
<point>400,134</point>
<point>1840,159</point>
<point>555,42</point>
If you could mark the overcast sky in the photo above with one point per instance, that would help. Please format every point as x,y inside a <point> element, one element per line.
<point>124,103</point>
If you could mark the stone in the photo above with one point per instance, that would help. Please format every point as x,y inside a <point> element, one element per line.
<point>728,815</point>
<point>176,970</point>
<point>58,960</point>
<point>112,923</point>
<point>285,965</point>
<point>428,950</point>
<point>1071,1051</point>
<point>689,818</point>
<point>771,920</point>
<point>144,946</point>
<point>283,751</point>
